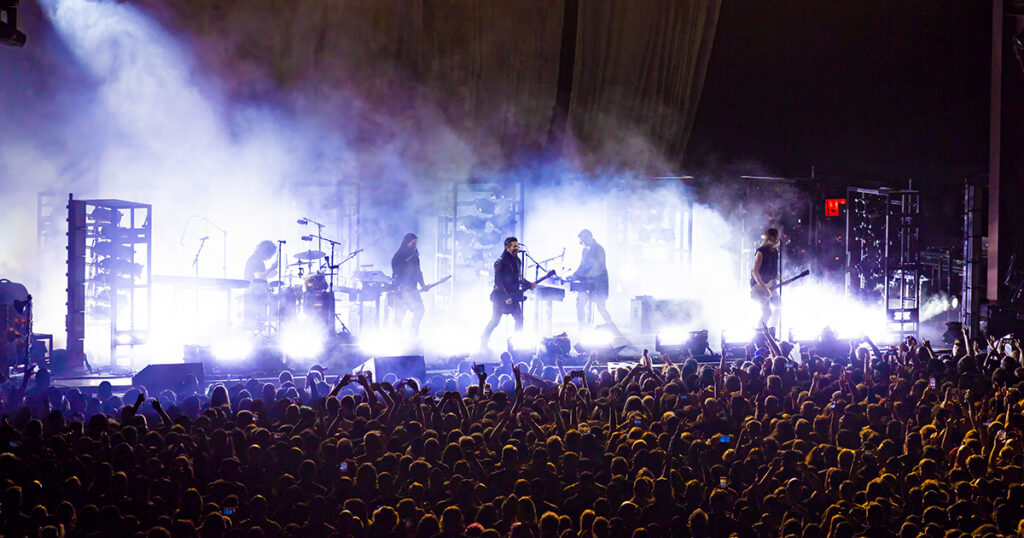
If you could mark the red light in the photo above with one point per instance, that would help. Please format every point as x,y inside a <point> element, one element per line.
<point>832,206</point>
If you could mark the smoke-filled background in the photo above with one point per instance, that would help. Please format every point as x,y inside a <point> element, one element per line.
<point>234,122</point>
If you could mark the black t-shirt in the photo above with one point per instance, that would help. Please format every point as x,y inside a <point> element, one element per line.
<point>769,264</point>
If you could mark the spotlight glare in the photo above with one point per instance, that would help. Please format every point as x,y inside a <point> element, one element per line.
<point>302,339</point>
<point>596,338</point>
<point>232,348</point>
<point>673,336</point>
<point>524,341</point>
<point>384,342</point>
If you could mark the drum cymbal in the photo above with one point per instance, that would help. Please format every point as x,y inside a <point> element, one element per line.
<point>309,255</point>
<point>275,284</point>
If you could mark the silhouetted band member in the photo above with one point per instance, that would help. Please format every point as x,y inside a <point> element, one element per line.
<point>408,278</point>
<point>507,296</point>
<point>592,275</point>
<point>255,266</point>
<point>765,272</point>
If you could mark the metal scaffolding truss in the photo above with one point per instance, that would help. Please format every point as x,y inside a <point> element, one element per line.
<point>110,258</point>
<point>883,254</point>
<point>471,229</point>
<point>639,230</point>
<point>974,266</point>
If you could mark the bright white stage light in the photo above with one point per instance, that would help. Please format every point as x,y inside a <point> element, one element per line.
<point>524,341</point>
<point>232,348</point>
<point>806,333</point>
<point>385,342</point>
<point>302,338</point>
<point>596,338</point>
<point>738,335</point>
<point>450,341</point>
<point>673,336</point>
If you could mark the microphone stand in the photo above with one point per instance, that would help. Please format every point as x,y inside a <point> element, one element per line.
<point>224,245</point>
<point>195,260</point>
<point>319,232</point>
<point>537,267</point>
<point>331,270</point>
<point>280,248</point>
<point>780,290</point>
<point>195,266</point>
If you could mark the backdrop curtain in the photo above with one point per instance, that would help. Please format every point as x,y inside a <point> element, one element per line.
<point>640,68</point>
<point>488,69</point>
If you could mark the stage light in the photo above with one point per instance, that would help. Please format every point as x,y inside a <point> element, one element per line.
<point>9,34</point>
<point>449,342</point>
<point>384,343</point>
<point>804,333</point>
<point>232,348</point>
<point>302,339</point>
<point>523,341</point>
<point>677,339</point>
<point>674,336</point>
<point>600,340</point>
<point>596,337</point>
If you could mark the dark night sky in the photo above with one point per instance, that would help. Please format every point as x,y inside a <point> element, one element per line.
<point>863,91</point>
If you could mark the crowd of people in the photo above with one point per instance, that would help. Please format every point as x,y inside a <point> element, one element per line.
<point>868,442</point>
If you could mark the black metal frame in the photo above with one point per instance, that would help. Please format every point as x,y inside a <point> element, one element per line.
<point>899,252</point>
<point>86,285</point>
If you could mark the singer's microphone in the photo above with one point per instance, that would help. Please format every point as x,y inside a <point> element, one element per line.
<point>356,252</point>
<point>307,237</point>
<point>204,238</point>
<point>303,221</point>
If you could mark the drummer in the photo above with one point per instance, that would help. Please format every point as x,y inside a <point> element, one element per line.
<point>256,267</point>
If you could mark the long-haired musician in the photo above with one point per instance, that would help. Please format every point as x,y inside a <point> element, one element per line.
<point>408,279</point>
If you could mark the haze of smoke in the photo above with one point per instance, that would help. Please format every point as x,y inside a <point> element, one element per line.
<point>153,129</point>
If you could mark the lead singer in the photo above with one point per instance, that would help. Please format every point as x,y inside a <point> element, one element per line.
<point>507,296</point>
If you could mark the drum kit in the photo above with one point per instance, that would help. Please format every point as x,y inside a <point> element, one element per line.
<point>307,289</point>
<point>303,288</point>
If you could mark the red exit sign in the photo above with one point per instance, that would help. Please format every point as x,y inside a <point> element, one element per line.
<point>832,206</point>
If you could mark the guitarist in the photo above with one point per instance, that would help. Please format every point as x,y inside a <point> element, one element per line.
<point>765,272</point>
<point>592,275</point>
<point>408,281</point>
<point>507,296</point>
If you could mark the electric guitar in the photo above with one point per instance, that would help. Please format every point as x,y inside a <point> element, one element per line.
<point>428,287</point>
<point>757,293</point>
<point>509,307</point>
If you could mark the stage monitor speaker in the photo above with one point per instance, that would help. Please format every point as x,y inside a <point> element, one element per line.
<point>157,377</point>
<point>403,366</point>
